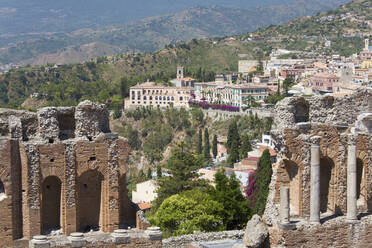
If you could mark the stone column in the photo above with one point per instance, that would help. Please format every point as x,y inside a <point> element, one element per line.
<point>285,222</point>
<point>315,180</point>
<point>284,205</point>
<point>351,179</point>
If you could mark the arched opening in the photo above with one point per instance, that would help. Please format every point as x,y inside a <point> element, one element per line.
<point>50,204</point>
<point>89,193</point>
<point>127,209</point>
<point>301,112</point>
<point>2,189</point>
<point>360,182</point>
<point>326,168</point>
<point>294,187</point>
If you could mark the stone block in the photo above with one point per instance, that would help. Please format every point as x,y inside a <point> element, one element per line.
<point>39,241</point>
<point>154,233</point>
<point>77,239</point>
<point>120,236</point>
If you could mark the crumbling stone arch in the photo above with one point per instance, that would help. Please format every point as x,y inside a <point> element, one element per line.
<point>90,186</point>
<point>2,189</point>
<point>51,204</point>
<point>327,178</point>
<point>127,209</point>
<point>360,180</point>
<point>294,183</point>
<point>301,113</point>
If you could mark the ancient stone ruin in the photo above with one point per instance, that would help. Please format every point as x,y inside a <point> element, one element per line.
<point>63,171</point>
<point>325,162</point>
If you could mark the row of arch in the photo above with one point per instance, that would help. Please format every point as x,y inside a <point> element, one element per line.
<point>327,180</point>
<point>89,198</point>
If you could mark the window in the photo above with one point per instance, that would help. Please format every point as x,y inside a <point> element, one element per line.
<point>144,98</point>
<point>172,98</point>
<point>150,98</point>
<point>181,98</point>
<point>156,98</point>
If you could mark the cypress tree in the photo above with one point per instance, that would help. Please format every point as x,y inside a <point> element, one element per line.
<point>234,153</point>
<point>214,146</point>
<point>199,147</point>
<point>207,147</point>
<point>246,147</point>
<point>262,181</point>
<point>149,173</point>
<point>232,135</point>
<point>159,173</point>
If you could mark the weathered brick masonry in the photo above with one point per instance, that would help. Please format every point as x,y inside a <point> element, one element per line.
<point>332,126</point>
<point>62,168</point>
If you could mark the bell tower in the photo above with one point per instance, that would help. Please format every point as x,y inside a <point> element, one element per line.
<point>366,44</point>
<point>179,72</point>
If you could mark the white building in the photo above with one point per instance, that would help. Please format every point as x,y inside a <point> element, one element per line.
<point>145,192</point>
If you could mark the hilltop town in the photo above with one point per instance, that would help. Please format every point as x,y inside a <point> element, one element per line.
<point>261,139</point>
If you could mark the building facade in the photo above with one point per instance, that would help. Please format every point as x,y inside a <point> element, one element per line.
<point>145,192</point>
<point>151,94</point>
<point>232,94</point>
<point>324,82</point>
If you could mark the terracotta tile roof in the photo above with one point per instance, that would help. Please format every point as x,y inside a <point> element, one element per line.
<point>263,148</point>
<point>144,205</point>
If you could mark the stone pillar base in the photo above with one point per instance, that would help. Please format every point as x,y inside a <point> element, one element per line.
<point>154,233</point>
<point>39,241</point>
<point>77,240</point>
<point>120,236</point>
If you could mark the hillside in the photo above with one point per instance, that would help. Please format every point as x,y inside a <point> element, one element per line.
<point>109,77</point>
<point>149,34</point>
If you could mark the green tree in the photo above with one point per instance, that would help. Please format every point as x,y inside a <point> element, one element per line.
<point>232,134</point>
<point>236,209</point>
<point>245,147</point>
<point>214,146</point>
<point>182,166</point>
<point>149,173</point>
<point>199,146</point>
<point>133,139</point>
<point>234,154</point>
<point>187,212</point>
<point>263,179</point>
<point>207,147</point>
<point>159,173</point>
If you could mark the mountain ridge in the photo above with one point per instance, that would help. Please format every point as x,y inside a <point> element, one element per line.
<point>153,33</point>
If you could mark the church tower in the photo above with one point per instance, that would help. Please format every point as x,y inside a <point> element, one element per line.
<point>366,44</point>
<point>179,72</point>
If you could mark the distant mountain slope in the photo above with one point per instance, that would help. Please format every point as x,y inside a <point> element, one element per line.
<point>36,16</point>
<point>111,76</point>
<point>152,33</point>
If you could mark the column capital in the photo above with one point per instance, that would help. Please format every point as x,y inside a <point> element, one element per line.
<point>315,140</point>
<point>351,139</point>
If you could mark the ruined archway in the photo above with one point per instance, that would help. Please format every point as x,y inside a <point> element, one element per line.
<point>326,182</point>
<point>293,173</point>
<point>360,183</point>
<point>50,204</point>
<point>301,112</point>
<point>89,193</point>
<point>2,189</point>
<point>127,209</point>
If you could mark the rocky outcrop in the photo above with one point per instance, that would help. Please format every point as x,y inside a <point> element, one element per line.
<point>256,233</point>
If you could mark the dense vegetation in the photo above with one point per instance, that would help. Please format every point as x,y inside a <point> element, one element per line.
<point>186,204</point>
